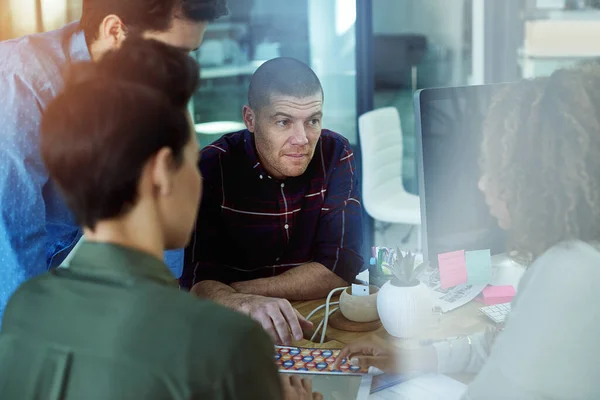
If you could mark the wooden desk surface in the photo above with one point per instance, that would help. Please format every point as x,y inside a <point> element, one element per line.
<point>465,320</point>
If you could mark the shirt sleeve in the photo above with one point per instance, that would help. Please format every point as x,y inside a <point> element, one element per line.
<point>457,355</point>
<point>253,375</point>
<point>339,234</point>
<point>22,177</point>
<point>548,349</point>
<point>174,260</point>
<point>261,380</point>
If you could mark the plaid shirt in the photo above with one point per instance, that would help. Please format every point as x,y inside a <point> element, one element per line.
<point>253,226</point>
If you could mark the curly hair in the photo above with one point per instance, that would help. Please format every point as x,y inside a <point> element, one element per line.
<point>541,152</point>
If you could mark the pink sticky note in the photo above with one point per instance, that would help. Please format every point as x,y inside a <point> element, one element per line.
<point>497,295</point>
<point>453,269</point>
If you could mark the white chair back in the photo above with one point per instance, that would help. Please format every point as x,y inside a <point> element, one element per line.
<point>380,135</point>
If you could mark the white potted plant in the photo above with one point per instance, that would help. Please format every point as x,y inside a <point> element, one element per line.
<point>405,304</point>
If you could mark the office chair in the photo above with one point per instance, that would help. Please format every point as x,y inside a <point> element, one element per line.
<point>384,196</point>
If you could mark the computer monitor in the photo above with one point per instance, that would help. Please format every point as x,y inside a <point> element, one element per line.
<point>454,216</point>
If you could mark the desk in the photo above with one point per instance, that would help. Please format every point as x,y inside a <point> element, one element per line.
<point>465,320</point>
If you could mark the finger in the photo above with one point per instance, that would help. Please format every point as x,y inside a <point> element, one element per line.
<point>291,317</point>
<point>265,321</point>
<point>296,381</point>
<point>338,361</point>
<point>344,353</point>
<point>281,326</point>
<point>317,396</point>
<point>285,381</point>
<point>383,363</point>
<point>304,323</point>
<point>307,385</point>
<point>364,347</point>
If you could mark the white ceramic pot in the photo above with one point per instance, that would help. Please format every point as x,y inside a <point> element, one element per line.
<point>405,312</point>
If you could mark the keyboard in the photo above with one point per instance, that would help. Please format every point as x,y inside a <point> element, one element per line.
<point>497,312</point>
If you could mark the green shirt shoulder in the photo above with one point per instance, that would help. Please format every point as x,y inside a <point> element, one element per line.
<point>147,339</point>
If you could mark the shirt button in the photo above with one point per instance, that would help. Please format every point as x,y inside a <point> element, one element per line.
<point>261,177</point>
<point>283,185</point>
<point>286,226</point>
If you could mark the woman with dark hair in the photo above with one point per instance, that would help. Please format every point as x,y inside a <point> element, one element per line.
<point>541,180</point>
<point>120,146</point>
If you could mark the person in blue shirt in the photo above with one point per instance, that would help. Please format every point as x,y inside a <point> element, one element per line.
<point>37,231</point>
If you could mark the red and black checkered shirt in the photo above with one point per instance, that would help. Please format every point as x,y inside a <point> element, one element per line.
<point>253,226</point>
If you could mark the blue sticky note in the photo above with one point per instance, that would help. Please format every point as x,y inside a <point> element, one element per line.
<point>479,267</point>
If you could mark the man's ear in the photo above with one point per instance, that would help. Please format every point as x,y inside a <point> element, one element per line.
<point>249,118</point>
<point>112,31</point>
<point>163,166</point>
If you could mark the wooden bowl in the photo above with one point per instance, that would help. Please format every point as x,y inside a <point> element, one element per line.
<point>360,308</point>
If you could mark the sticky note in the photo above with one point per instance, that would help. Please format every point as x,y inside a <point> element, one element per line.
<point>453,269</point>
<point>479,267</point>
<point>497,295</point>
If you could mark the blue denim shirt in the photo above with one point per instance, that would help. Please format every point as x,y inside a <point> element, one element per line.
<point>37,231</point>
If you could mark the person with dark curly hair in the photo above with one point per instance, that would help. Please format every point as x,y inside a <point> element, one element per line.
<point>540,174</point>
<point>123,153</point>
<point>37,230</point>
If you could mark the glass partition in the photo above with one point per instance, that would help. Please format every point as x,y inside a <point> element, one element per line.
<point>317,32</point>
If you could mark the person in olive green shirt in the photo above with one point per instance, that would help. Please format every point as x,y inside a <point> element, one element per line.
<point>114,325</point>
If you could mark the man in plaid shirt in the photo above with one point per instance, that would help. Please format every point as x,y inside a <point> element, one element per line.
<point>281,215</point>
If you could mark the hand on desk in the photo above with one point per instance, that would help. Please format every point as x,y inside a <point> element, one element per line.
<point>296,388</point>
<point>369,353</point>
<point>277,317</point>
<point>375,352</point>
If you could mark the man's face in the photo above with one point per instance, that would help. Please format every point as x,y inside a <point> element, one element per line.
<point>183,34</point>
<point>286,133</point>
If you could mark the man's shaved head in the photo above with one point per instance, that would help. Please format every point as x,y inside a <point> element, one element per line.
<point>282,76</point>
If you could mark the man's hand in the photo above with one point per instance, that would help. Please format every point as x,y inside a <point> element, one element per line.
<point>277,317</point>
<point>296,388</point>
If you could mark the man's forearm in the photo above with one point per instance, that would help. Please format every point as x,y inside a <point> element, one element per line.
<point>306,282</point>
<point>217,292</point>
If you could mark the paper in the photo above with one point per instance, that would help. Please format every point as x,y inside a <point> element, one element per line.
<point>360,290</point>
<point>479,267</point>
<point>425,387</point>
<point>448,299</point>
<point>453,269</point>
<point>456,297</point>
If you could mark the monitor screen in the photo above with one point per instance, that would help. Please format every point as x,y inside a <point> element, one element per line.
<point>454,215</point>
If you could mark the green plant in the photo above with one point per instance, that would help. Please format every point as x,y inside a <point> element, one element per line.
<point>403,268</point>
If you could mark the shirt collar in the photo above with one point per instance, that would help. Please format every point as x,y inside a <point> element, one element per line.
<point>111,260</point>
<point>257,167</point>
<point>255,164</point>
<point>78,49</point>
